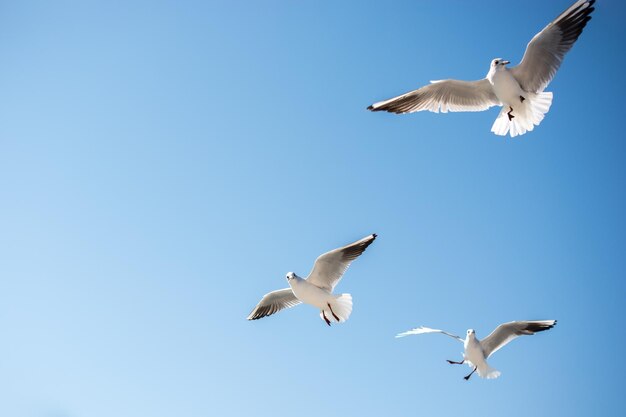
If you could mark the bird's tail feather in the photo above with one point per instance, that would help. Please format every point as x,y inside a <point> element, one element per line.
<point>488,372</point>
<point>527,115</point>
<point>341,306</point>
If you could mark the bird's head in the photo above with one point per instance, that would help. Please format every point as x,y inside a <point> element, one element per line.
<point>471,333</point>
<point>499,64</point>
<point>290,276</point>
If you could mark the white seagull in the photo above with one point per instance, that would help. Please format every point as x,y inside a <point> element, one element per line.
<point>477,351</point>
<point>518,90</point>
<point>317,288</point>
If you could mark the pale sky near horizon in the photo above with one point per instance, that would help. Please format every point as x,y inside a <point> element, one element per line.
<point>164,164</point>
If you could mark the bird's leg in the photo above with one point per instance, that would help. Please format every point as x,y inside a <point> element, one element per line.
<point>455,363</point>
<point>333,313</point>
<point>522,98</point>
<point>325,319</point>
<point>509,113</point>
<point>468,376</point>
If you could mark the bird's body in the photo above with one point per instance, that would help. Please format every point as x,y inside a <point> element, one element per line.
<point>309,293</point>
<point>332,307</point>
<point>505,87</point>
<point>317,288</point>
<point>476,352</point>
<point>521,110</point>
<point>474,356</point>
<point>519,90</point>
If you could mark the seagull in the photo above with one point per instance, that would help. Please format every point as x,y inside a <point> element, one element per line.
<point>317,288</point>
<point>478,351</point>
<point>519,90</point>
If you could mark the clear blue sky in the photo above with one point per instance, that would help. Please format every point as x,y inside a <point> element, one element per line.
<point>164,164</point>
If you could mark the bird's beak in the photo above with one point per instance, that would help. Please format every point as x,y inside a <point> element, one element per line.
<point>506,62</point>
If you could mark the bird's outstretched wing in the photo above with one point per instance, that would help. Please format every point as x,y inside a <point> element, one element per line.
<point>546,50</point>
<point>273,302</point>
<point>506,332</point>
<point>330,267</point>
<point>442,96</point>
<point>424,330</point>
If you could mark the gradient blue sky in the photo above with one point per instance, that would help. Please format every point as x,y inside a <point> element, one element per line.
<point>164,164</point>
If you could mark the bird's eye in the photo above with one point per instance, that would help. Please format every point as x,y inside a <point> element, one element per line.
<point>497,62</point>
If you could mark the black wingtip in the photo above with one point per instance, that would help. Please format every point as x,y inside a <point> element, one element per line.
<point>370,108</point>
<point>374,235</point>
<point>536,328</point>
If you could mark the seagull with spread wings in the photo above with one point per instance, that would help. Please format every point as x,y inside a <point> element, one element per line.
<point>478,351</point>
<point>317,288</point>
<point>519,90</point>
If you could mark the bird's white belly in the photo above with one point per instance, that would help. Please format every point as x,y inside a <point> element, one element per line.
<point>310,294</point>
<point>506,88</point>
<point>474,354</point>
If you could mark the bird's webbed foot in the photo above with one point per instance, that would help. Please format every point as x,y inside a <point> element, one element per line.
<point>467,377</point>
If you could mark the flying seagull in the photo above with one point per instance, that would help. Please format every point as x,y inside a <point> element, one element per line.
<point>477,351</point>
<point>519,90</point>
<point>317,288</point>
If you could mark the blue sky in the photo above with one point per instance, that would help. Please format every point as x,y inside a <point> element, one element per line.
<point>164,164</point>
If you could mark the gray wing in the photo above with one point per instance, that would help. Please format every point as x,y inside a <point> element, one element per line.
<point>546,50</point>
<point>506,332</point>
<point>424,330</point>
<point>330,267</point>
<point>442,96</point>
<point>273,302</point>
